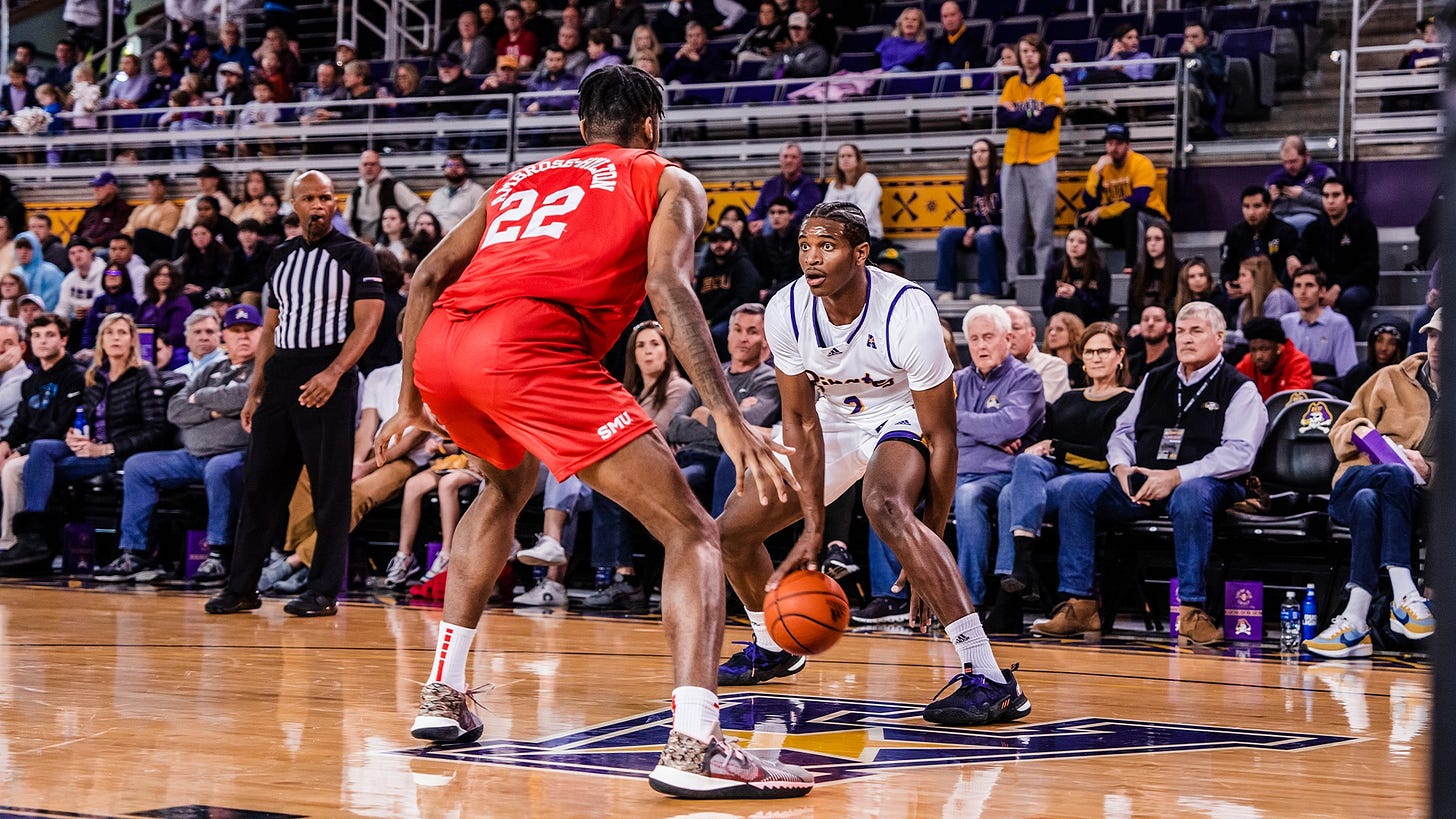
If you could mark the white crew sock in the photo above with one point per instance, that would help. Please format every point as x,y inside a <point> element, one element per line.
<point>1401,583</point>
<point>760,632</point>
<point>694,712</point>
<point>974,647</point>
<point>1359,606</point>
<point>452,652</point>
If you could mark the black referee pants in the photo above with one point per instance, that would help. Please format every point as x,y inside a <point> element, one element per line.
<point>286,438</point>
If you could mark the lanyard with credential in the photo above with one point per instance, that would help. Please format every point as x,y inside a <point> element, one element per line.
<point>1202,385</point>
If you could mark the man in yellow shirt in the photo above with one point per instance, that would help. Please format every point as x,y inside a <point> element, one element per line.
<point>1031,112</point>
<point>1121,199</point>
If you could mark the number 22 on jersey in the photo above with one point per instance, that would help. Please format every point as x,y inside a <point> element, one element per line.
<point>506,227</point>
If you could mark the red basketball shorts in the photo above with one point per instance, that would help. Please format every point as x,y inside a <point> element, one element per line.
<point>518,377</point>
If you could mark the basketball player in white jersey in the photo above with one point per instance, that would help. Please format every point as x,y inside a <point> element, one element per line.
<point>865,384</point>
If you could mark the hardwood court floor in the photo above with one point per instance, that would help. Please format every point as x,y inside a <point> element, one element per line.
<point>136,703</point>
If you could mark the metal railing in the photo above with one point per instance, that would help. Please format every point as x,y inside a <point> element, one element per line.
<point>1393,106</point>
<point>406,27</point>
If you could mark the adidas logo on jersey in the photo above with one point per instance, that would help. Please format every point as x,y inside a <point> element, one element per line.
<point>834,351</point>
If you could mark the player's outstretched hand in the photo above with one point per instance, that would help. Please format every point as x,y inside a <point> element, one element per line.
<point>754,453</point>
<point>402,420</point>
<point>921,616</point>
<point>804,555</point>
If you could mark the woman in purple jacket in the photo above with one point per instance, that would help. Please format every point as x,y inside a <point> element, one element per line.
<point>166,310</point>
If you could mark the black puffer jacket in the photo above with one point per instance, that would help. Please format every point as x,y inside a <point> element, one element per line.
<point>136,412</point>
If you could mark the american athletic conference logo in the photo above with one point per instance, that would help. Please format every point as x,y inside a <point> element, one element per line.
<point>842,740</point>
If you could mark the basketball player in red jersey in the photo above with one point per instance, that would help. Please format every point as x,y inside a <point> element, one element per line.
<point>506,325</point>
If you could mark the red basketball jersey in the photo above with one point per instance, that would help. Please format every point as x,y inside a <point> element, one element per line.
<point>571,230</point>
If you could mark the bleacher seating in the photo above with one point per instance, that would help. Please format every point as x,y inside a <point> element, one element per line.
<point>1108,23</point>
<point>1082,51</point>
<point>1067,27</point>
<point>1011,29</point>
<point>1224,18</point>
<point>1173,21</point>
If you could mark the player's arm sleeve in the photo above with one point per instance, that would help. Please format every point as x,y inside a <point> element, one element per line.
<point>914,340</point>
<point>782,339</point>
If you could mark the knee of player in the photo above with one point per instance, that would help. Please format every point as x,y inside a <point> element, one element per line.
<point>890,515</point>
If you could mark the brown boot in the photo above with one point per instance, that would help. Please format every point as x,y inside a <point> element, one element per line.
<point>1071,618</point>
<point>1196,628</point>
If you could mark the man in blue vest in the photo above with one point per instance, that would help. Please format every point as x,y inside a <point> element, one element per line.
<point>1180,448</point>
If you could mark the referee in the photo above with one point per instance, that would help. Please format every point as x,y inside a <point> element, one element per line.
<point>325,299</point>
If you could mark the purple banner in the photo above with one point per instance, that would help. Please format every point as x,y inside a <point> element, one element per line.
<point>196,552</point>
<point>432,551</point>
<point>78,545</point>
<point>1243,610</point>
<point>1173,609</point>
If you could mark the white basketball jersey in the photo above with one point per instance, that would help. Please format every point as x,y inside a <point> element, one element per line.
<point>865,371</point>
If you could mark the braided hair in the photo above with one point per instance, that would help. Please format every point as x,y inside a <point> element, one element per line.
<point>856,230</point>
<point>615,100</point>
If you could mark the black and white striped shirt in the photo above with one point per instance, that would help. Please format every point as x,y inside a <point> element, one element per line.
<point>314,287</point>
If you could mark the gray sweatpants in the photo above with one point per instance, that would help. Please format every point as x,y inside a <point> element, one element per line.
<point>1029,199</point>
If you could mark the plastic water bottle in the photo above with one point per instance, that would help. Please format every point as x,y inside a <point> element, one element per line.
<point>80,425</point>
<point>1289,622</point>
<point>1311,614</point>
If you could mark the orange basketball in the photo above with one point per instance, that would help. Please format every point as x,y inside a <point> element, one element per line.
<point>807,613</point>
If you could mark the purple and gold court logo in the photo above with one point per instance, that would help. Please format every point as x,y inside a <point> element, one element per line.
<point>842,740</point>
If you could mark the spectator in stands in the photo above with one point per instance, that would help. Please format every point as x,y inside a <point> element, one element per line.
<point>1030,111</point>
<point>448,474</point>
<point>1384,347</point>
<point>644,41</point>
<point>394,233</point>
<point>822,28</point>
<point>1053,370</point>
<point>999,406</point>
<point>775,253</point>
<point>692,432</point>
<point>1346,246</point>
<point>19,93</point>
<point>260,113</point>
<point>13,370</point>
<point>555,543</point>
<point>651,376</point>
<point>1157,348</point>
<point>853,182</point>
<point>805,57</point>
<point>670,23</point>
<point>79,288</point>
<point>569,40</point>
<point>275,42</point>
<point>270,72</point>
<point>204,263</point>
<point>906,46</point>
<point>695,62</point>
<point>245,278</point>
<point>234,93</point>
<point>166,309</point>
<point>1273,363</point>
<point>115,297</point>
<point>735,219</point>
<point>385,350</point>
<point>326,89</point>
<point>538,24</point>
<point>725,280</point>
<point>1295,185</point>
<point>108,215</point>
<point>1073,442</point>
<point>209,183</point>
<point>452,85</point>
<point>166,73</point>
<point>620,17</point>
<point>1259,292</point>
<point>599,51</point>
<point>953,49</point>
<point>1078,282</point>
<point>49,245</point>
<point>471,48</point>
<point>125,415</point>
<point>491,24</point>
<point>1259,234</point>
<point>1063,339</point>
<point>214,443</point>
<point>517,41</point>
<point>222,228</point>
<point>200,63</point>
<point>66,59</point>
<point>375,192</point>
<point>1169,454</point>
<point>501,85</point>
<point>406,92</point>
<point>1379,502</point>
<point>1322,334</point>
<point>791,183</point>
<point>31,307</point>
<point>358,86</point>
<point>12,287</point>
<point>41,278</point>
<point>128,86</point>
<point>1207,69</point>
<point>25,58</point>
<point>250,203</point>
<point>48,401</point>
<point>1155,276</point>
<point>768,37</point>
<point>981,203</point>
<point>12,210</point>
<point>1196,283</point>
<point>457,197</point>
<point>1120,199</point>
<point>427,234</point>
<point>1125,61</point>
<point>230,48</point>
<point>203,337</point>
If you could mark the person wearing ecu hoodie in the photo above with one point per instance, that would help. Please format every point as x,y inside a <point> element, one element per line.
<point>48,401</point>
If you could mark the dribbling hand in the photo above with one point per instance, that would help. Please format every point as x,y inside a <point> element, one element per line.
<point>921,616</point>
<point>804,555</point>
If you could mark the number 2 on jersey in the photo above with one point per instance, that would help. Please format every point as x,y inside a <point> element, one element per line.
<point>506,228</point>
<point>857,406</point>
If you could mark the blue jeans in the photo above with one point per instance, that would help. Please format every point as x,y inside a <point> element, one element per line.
<point>1035,487</point>
<point>884,569</point>
<point>975,498</point>
<point>49,458</point>
<point>569,496</point>
<point>700,469</point>
<point>725,476</point>
<point>1092,497</point>
<point>147,472</point>
<point>1299,221</point>
<point>1378,503</point>
<point>990,259</point>
<point>611,536</point>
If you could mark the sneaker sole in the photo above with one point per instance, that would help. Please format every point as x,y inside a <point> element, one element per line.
<point>313,612</point>
<point>731,682</point>
<point>1090,634</point>
<point>441,729</point>
<point>870,621</point>
<point>687,785</point>
<point>235,610</point>
<point>1189,642</point>
<point>536,560</point>
<point>540,604</point>
<point>632,605</point>
<point>839,571</point>
<point>960,717</point>
<point>1401,628</point>
<point>1361,649</point>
